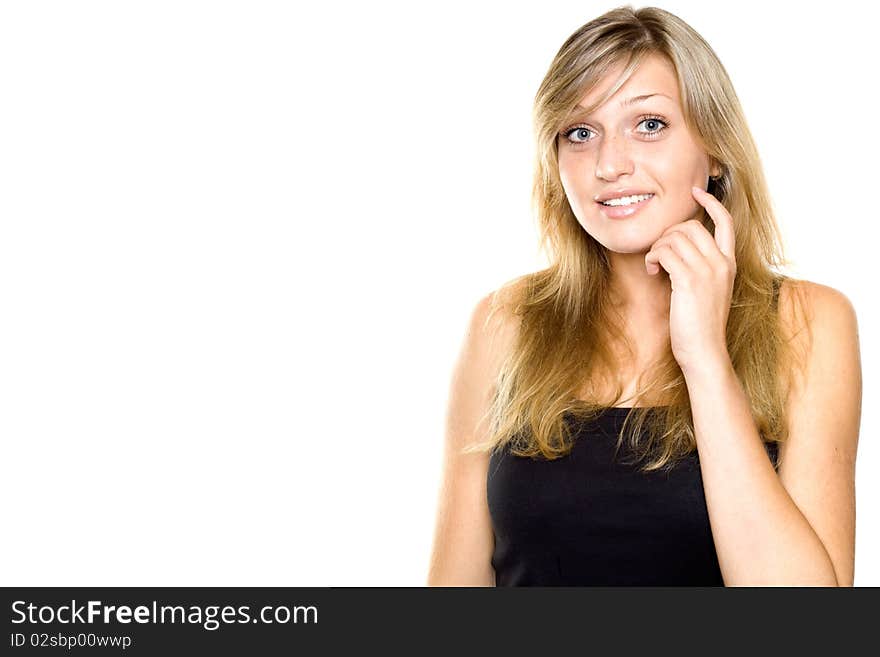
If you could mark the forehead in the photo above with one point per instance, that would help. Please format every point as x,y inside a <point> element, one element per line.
<point>655,75</point>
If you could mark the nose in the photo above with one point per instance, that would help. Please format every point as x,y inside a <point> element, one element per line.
<point>614,160</point>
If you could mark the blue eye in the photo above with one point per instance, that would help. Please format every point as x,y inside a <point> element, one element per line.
<point>582,132</point>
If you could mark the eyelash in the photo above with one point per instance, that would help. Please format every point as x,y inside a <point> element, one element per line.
<point>650,135</point>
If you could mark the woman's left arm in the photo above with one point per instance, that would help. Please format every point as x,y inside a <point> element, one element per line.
<point>796,528</point>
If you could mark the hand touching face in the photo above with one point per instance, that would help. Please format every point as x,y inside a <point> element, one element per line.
<point>702,269</point>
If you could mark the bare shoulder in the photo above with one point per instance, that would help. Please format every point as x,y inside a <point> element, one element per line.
<point>813,313</point>
<point>497,318</point>
<point>489,338</point>
<point>817,299</point>
<point>811,288</point>
<point>830,305</point>
<point>821,323</point>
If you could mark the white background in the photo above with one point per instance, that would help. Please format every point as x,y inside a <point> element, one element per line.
<point>240,241</point>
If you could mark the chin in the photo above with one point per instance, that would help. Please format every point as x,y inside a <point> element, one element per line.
<point>634,244</point>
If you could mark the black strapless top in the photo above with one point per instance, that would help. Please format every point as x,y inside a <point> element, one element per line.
<point>586,519</point>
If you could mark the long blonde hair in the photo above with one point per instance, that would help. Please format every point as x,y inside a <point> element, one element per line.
<point>563,314</point>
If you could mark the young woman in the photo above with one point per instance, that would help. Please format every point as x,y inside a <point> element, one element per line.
<point>660,406</point>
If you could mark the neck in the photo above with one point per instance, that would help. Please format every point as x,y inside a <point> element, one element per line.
<point>636,293</point>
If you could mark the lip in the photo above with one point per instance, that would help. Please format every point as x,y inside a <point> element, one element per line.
<point>623,211</point>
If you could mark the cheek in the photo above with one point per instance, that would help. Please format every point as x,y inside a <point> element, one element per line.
<point>564,179</point>
<point>678,206</point>
<point>566,173</point>
<point>575,181</point>
<point>677,181</point>
<point>573,189</point>
<point>682,167</point>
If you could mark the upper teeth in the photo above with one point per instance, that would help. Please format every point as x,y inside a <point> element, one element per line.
<point>626,200</point>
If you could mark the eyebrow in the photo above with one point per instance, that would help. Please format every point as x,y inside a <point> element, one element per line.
<point>638,99</point>
<point>624,103</point>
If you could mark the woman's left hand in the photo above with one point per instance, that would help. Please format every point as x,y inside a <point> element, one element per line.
<point>701,269</point>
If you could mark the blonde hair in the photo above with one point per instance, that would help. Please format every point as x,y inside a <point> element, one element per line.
<point>563,314</point>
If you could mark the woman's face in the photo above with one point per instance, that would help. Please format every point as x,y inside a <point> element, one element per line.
<point>644,146</point>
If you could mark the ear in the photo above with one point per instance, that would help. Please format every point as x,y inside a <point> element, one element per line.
<point>715,169</point>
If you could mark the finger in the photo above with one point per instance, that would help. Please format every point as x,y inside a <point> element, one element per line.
<point>724,234</point>
<point>667,258</point>
<point>700,237</point>
<point>685,249</point>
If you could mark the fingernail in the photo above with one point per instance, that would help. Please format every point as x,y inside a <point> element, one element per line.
<point>698,189</point>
